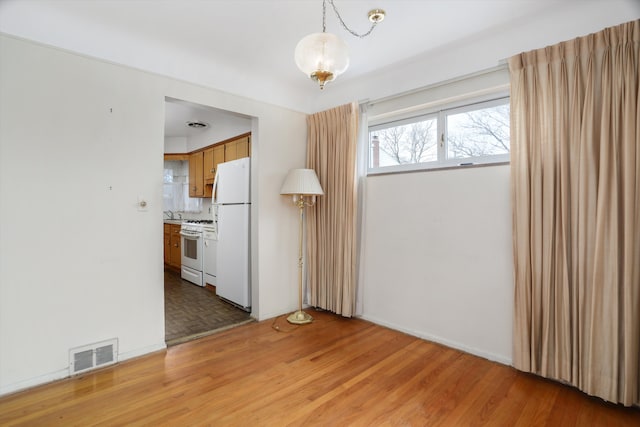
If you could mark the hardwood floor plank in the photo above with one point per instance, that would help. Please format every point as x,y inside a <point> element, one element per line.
<point>325,396</point>
<point>485,397</point>
<point>332,372</point>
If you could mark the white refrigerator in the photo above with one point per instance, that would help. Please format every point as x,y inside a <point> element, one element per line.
<point>231,207</point>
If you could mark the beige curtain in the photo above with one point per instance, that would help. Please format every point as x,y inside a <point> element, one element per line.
<point>331,224</point>
<point>575,165</point>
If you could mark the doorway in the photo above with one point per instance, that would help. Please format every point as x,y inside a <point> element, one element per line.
<point>193,311</point>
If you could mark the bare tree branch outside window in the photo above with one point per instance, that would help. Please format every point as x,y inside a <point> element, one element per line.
<point>478,133</point>
<point>410,143</point>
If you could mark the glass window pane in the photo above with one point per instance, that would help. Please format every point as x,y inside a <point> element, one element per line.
<point>404,144</point>
<point>477,133</point>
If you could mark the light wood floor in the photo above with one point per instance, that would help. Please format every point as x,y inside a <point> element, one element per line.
<point>333,372</point>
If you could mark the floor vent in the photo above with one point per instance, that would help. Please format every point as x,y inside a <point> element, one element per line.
<point>92,356</point>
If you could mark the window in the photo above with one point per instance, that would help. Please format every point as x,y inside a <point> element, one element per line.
<point>175,194</point>
<point>470,134</point>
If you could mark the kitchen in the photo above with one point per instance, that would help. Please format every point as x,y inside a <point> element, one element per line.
<point>206,239</point>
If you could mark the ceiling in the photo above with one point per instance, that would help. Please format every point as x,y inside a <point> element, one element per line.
<point>178,113</point>
<point>246,47</point>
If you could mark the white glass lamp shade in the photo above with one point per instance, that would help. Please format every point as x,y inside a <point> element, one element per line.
<point>302,182</point>
<point>322,57</point>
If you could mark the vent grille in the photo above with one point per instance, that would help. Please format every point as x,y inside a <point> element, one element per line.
<point>92,356</point>
<point>196,124</point>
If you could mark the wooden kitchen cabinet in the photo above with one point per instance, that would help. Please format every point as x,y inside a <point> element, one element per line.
<point>196,174</point>
<point>167,243</point>
<point>218,157</point>
<point>204,163</point>
<point>236,149</point>
<point>212,158</point>
<point>208,165</point>
<point>172,248</point>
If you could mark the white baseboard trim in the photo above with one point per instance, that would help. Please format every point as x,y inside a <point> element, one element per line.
<point>453,344</point>
<point>273,315</point>
<point>64,373</point>
<point>141,351</point>
<point>35,381</point>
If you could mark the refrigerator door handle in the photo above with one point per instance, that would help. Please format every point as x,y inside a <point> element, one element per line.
<point>215,186</point>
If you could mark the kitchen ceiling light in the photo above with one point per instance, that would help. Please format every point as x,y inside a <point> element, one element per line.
<point>197,125</point>
<point>323,56</point>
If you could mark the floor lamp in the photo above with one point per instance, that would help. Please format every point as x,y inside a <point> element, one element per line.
<point>304,186</point>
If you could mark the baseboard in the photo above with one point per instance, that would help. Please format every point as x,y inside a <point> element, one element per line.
<point>141,351</point>
<point>35,381</point>
<point>452,344</point>
<point>64,373</point>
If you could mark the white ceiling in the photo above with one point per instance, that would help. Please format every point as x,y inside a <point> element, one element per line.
<point>246,46</point>
<point>178,113</point>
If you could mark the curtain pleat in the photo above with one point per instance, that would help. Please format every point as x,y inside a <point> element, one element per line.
<point>575,167</point>
<point>331,223</point>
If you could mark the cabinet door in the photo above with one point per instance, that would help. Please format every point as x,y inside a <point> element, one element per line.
<point>167,244</point>
<point>242,147</point>
<point>208,166</point>
<point>230,151</point>
<point>176,251</point>
<point>196,176</point>
<point>218,157</point>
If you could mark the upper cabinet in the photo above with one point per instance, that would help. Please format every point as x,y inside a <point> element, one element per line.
<point>236,149</point>
<point>208,164</point>
<point>196,174</point>
<point>213,156</point>
<point>204,163</point>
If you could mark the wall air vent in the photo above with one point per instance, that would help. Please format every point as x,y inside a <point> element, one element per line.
<point>92,356</point>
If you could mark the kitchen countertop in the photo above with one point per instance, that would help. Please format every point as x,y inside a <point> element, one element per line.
<point>173,221</point>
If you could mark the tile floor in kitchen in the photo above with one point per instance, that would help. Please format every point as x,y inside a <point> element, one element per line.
<point>192,311</point>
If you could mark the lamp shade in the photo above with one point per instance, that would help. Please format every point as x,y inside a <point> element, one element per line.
<point>302,181</point>
<point>322,56</point>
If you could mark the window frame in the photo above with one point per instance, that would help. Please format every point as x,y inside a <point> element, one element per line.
<point>440,112</point>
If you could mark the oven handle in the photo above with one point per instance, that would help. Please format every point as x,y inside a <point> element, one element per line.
<point>194,236</point>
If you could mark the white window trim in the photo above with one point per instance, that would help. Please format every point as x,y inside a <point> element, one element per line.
<point>440,110</point>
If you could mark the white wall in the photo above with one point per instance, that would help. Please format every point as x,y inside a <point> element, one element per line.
<point>437,245</point>
<point>175,144</point>
<point>437,257</point>
<point>87,265</point>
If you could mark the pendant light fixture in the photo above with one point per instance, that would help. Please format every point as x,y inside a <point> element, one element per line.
<point>323,56</point>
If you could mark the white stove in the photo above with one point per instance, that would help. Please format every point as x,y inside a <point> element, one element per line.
<point>192,258</point>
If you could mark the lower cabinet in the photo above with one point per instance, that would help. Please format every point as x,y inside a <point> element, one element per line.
<point>172,249</point>
<point>167,243</point>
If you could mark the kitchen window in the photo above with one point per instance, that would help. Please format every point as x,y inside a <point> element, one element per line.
<point>175,192</point>
<point>455,135</point>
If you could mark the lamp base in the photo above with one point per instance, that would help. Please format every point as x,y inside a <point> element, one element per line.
<point>299,318</point>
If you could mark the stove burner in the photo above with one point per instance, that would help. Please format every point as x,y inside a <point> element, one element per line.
<point>199,221</point>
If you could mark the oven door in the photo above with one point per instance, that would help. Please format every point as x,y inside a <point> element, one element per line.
<point>191,250</point>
